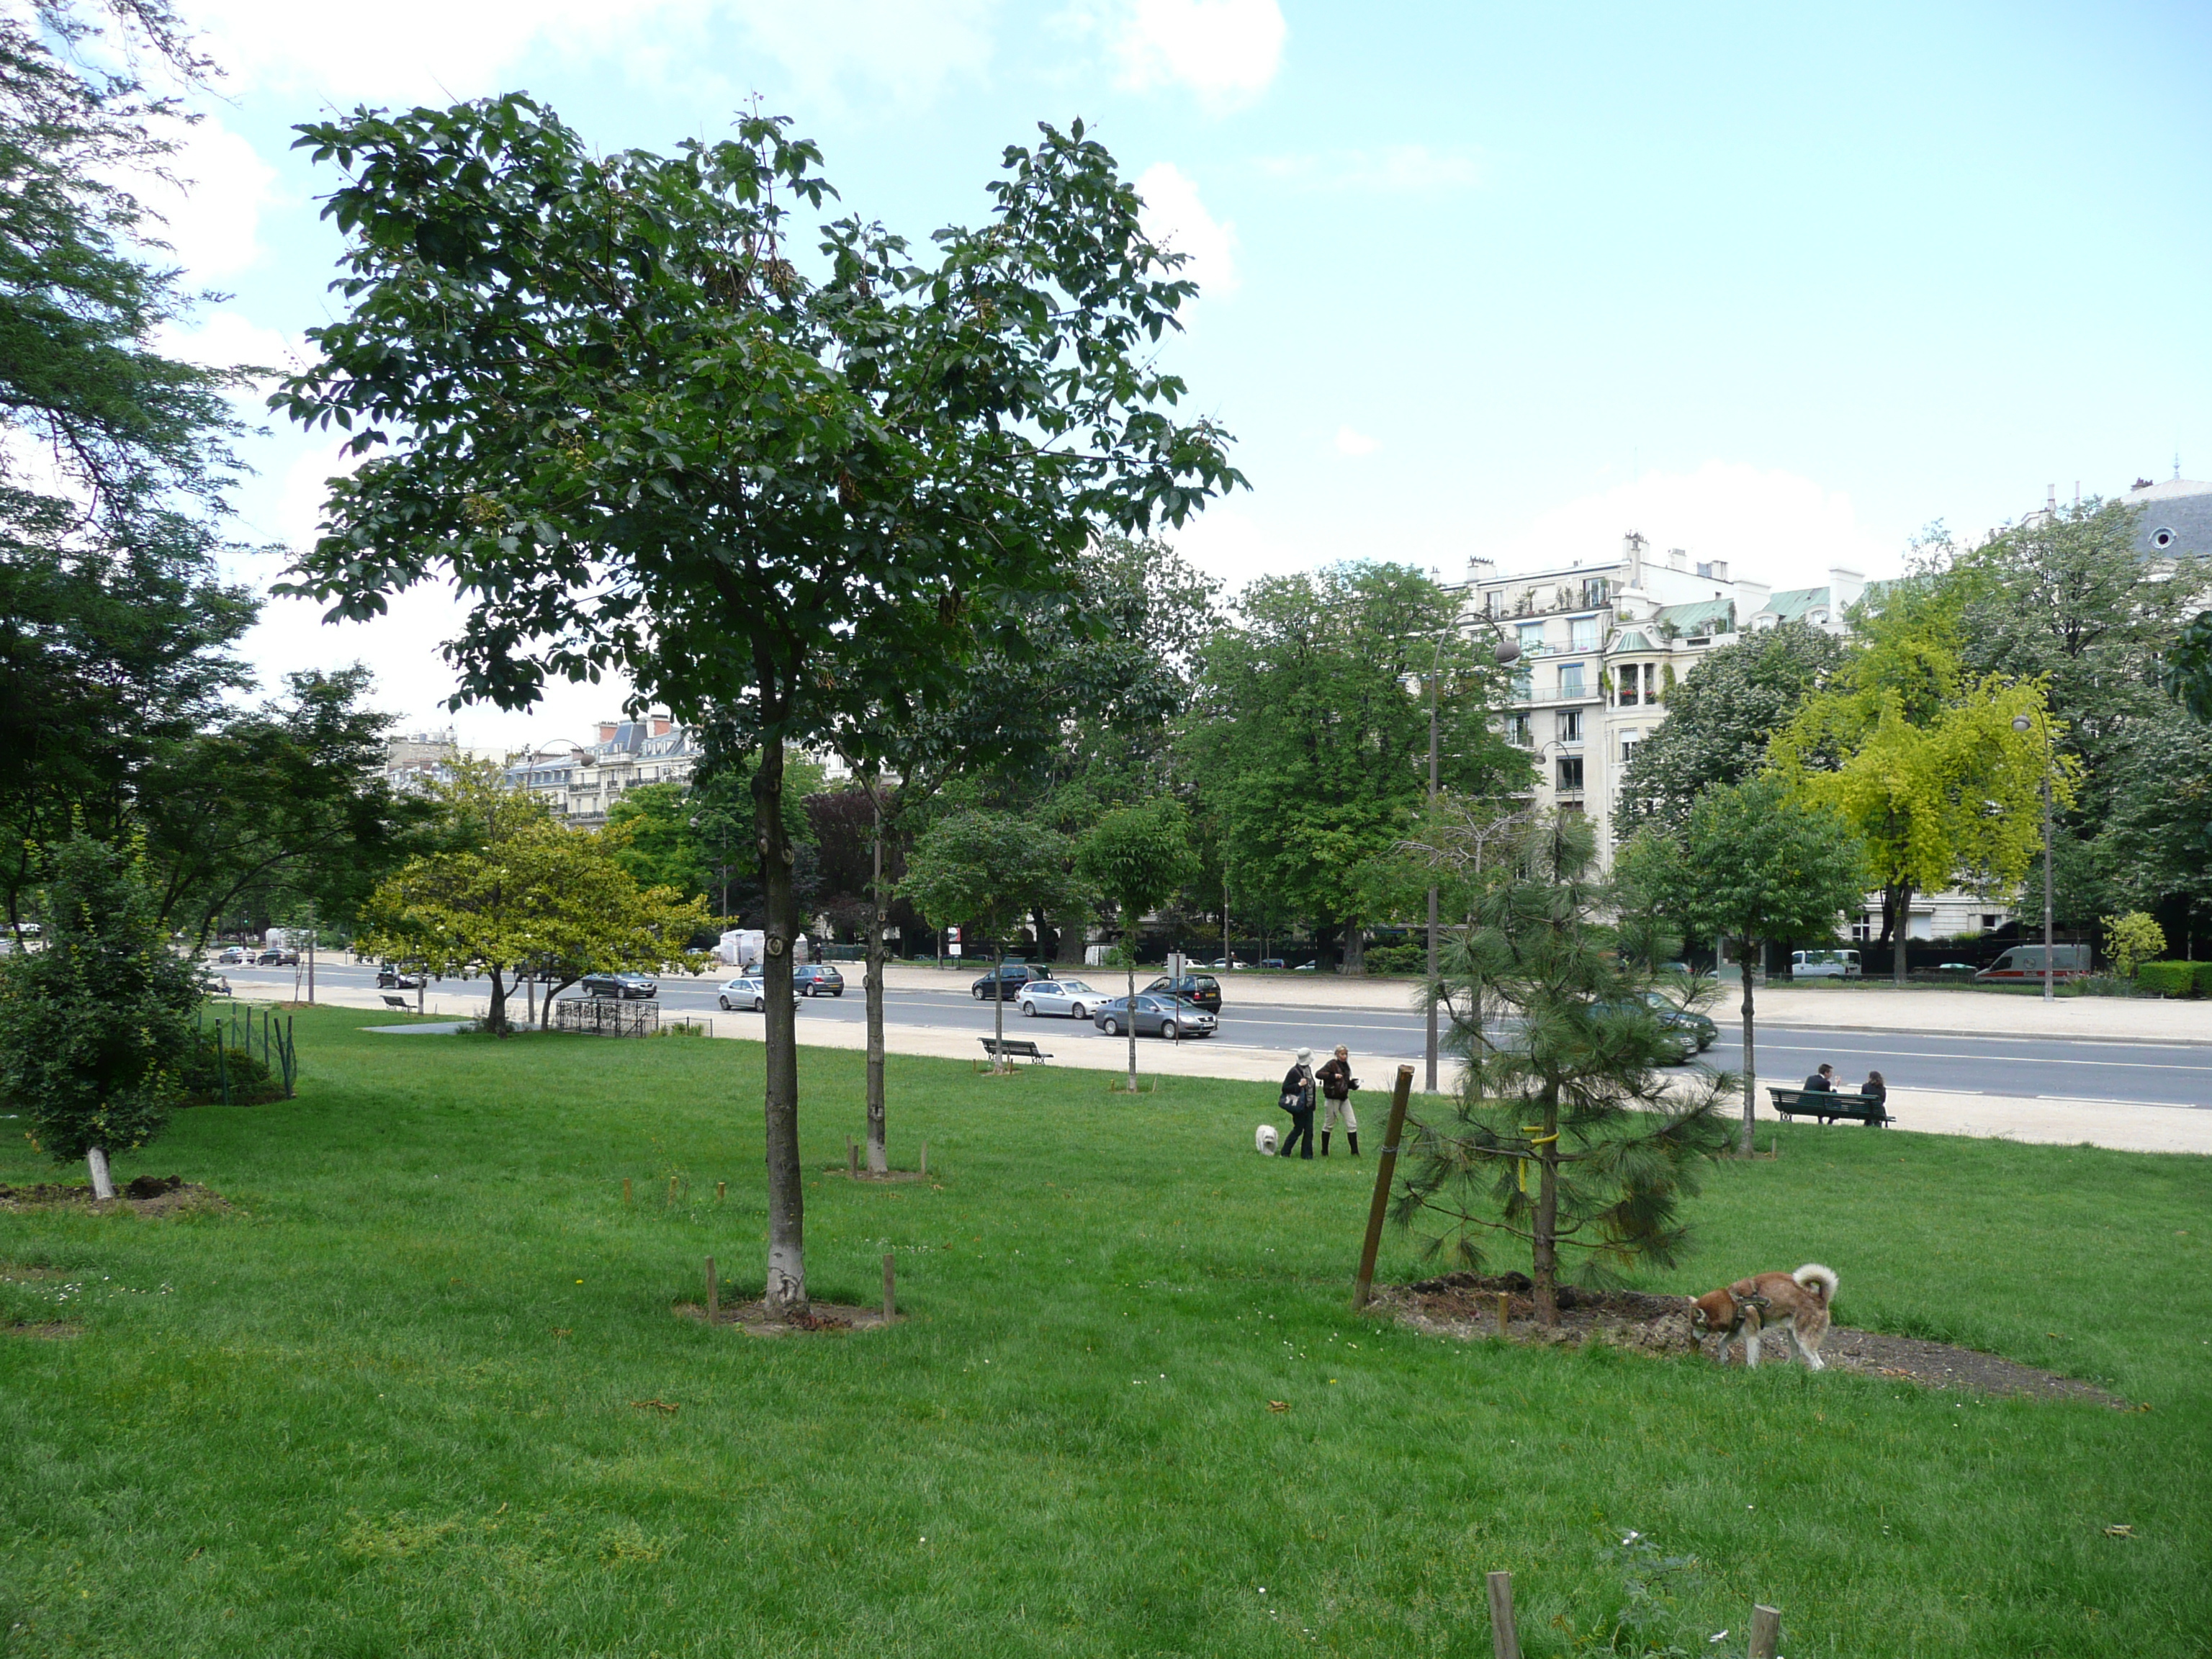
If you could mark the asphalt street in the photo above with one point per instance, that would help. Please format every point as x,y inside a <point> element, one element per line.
<point>2178,1074</point>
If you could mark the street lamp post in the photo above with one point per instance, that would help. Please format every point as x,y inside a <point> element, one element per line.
<point>2022,723</point>
<point>1507,653</point>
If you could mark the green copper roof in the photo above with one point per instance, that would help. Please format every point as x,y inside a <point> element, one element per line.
<point>1632,638</point>
<point>1792,604</point>
<point>1706,617</point>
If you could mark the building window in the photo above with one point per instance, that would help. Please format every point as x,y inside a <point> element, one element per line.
<point>1570,679</point>
<point>1524,685</point>
<point>1570,726</point>
<point>1989,922</point>
<point>1516,729</point>
<point>1582,634</point>
<point>1571,773</point>
<point>1628,742</point>
<point>1596,590</point>
<point>1532,639</point>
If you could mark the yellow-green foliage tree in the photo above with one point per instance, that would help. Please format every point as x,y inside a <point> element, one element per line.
<point>2131,940</point>
<point>1921,760</point>
<point>522,893</point>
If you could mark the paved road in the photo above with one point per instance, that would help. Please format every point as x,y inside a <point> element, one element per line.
<point>2180,1074</point>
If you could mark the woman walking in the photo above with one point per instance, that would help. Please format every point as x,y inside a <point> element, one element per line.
<point>1337,1084</point>
<point>1298,1102</point>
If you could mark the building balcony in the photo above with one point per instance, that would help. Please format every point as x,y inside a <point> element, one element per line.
<point>1535,695</point>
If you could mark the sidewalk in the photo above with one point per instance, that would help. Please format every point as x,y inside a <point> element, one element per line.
<point>1929,1111</point>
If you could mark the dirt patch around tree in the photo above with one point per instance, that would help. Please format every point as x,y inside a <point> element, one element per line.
<point>53,1330</point>
<point>826,1318</point>
<point>1464,1305</point>
<point>147,1195</point>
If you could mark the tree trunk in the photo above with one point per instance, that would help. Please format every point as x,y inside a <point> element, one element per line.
<point>878,1144</point>
<point>1904,930</point>
<point>497,1020</point>
<point>103,1185</point>
<point>1067,948</point>
<point>1130,1007</point>
<point>786,1223</point>
<point>1744,948</point>
<point>1546,1229</point>
<point>1355,948</point>
<point>545,1003</point>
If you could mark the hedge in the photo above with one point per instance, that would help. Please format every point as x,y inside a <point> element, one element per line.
<point>2175,979</point>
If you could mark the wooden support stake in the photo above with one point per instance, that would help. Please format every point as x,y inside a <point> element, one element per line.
<point>721,1191</point>
<point>852,1157</point>
<point>890,1288</point>
<point>1385,1167</point>
<point>1504,1639</point>
<point>925,1160</point>
<point>714,1293</point>
<point>672,1192</point>
<point>625,1189</point>
<point>1503,1310</point>
<point>1765,1631</point>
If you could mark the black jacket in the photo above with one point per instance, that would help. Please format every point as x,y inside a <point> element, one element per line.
<point>1818,1084</point>
<point>1336,1079</point>
<point>1299,1085</point>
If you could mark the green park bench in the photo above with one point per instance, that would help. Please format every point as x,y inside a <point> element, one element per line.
<point>1829,1106</point>
<point>1014,1048</point>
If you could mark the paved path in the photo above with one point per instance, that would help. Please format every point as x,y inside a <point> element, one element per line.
<point>2123,1073</point>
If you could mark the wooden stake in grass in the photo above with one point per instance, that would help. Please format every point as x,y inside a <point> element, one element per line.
<point>625,1192</point>
<point>852,1159</point>
<point>672,1192</point>
<point>721,1191</point>
<point>1504,1639</point>
<point>1385,1167</point>
<point>1502,1310</point>
<point>714,1293</point>
<point>1765,1631</point>
<point>925,1160</point>
<point>890,1288</point>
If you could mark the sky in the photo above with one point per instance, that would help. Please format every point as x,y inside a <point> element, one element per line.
<point>1778,285</point>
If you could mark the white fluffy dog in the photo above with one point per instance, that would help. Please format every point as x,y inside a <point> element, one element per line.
<point>1265,1141</point>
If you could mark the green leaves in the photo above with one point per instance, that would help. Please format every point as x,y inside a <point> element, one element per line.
<point>1138,857</point>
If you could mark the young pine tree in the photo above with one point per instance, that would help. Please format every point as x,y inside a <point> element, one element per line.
<point>95,1027</point>
<point>1568,1137</point>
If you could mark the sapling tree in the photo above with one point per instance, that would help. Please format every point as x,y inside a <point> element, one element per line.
<point>1138,857</point>
<point>96,1028</point>
<point>1567,1137</point>
<point>600,394</point>
<point>1752,865</point>
<point>984,870</point>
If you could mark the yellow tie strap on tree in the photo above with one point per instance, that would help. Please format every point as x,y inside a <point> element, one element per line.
<point>1540,1140</point>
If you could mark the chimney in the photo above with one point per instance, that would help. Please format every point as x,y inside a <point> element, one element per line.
<point>1678,559</point>
<point>1720,570</point>
<point>660,725</point>
<point>607,730</point>
<point>1633,546</point>
<point>1845,587</point>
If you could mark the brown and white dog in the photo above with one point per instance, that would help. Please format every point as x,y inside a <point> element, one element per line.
<point>1796,1302</point>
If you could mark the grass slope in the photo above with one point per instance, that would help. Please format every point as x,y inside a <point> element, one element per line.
<point>385,1407</point>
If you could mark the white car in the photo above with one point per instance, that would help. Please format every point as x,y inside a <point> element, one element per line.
<point>1069,997</point>
<point>746,991</point>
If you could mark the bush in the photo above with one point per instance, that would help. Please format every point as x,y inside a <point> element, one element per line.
<point>1407,959</point>
<point>2175,979</point>
<point>251,1083</point>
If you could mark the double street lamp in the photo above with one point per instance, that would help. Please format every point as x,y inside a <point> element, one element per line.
<point>2024,724</point>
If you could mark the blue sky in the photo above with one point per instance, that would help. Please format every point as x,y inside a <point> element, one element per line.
<point>1781,289</point>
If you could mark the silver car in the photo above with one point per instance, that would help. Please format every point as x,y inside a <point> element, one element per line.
<point>746,991</point>
<point>1161,1017</point>
<point>1069,997</point>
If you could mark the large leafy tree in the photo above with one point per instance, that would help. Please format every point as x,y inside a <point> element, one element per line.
<point>1567,1138</point>
<point>1308,740</point>
<point>1754,866</point>
<point>1719,718</point>
<point>600,393</point>
<point>1136,857</point>
<point>96,1027</point>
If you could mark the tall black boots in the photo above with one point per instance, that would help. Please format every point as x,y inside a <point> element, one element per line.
<point>1351,1135</point>
<point>1324,1143</point>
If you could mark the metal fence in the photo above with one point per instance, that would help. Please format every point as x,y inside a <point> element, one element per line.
<point>606,1017</point>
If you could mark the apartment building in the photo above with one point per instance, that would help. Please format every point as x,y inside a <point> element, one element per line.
<point>581,782</point>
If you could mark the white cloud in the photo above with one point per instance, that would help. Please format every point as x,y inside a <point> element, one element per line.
<point>1770,526</point>
<point>1351,442</point>
<point>1225,50</point>
<point>1175,217</point>
<point>439,49</point>
<point>210,216</point>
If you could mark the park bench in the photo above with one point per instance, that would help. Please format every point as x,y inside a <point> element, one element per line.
<point>400,1003</point>
<point>1014,1048</point>
<point>1828,1107</point>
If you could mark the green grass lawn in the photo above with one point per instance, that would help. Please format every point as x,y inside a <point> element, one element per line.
<point>385,1407</point>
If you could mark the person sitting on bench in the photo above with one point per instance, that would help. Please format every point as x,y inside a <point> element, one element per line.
<point>1876,1091</point>
<point>1822,1082</point>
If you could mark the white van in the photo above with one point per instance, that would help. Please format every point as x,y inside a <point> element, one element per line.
<point>1824,964</point>
<point>2025,962</point>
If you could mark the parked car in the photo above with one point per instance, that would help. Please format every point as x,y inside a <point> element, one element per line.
<point>277,959</point>
<point>1271,962</point>
<point>391,978</point>
<point>1824,964</point>
<point>1160,1016</point>
<point>231,956</point>
<point>1008,977</point>
<point>628,987</point>
<point>1203,989</point>
<point>2024,963</point>
<point>746,991</point>
<point>1071,997</point>
<point>817,979</point>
